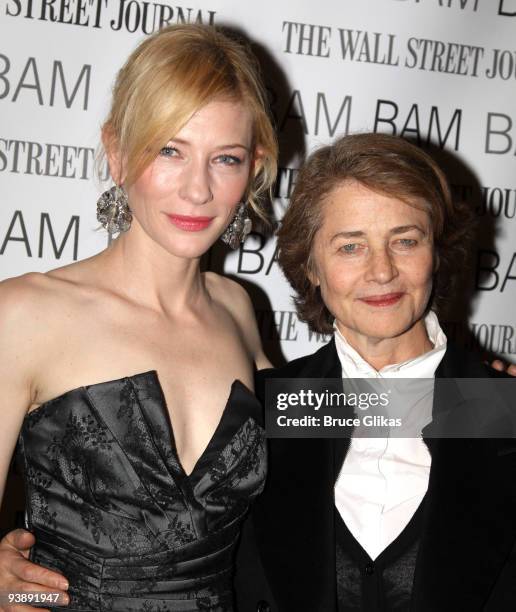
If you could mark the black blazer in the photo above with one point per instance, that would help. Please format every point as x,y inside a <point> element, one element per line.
<point>467,554</point>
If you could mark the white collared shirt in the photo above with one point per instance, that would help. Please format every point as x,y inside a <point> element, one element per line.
<point>383,480</point>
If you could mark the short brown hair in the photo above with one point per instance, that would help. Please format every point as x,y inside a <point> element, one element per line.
<point>388,165</point>
<point>170,76</point>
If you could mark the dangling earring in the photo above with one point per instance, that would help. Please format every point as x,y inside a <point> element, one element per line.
<point>113,211</point>
<point>239,228</point>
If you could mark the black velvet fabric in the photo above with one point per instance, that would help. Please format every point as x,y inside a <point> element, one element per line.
<point>466,558</point>
<point>112,508</point>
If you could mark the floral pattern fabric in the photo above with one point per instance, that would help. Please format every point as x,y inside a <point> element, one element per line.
<point>113,510</point>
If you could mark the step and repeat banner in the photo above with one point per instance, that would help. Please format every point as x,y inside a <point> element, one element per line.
<point>439,72</point>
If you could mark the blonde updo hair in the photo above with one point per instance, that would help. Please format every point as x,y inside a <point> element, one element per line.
<point>170,76</point>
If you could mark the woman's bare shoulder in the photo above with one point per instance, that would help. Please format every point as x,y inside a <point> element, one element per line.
<point>24,303</point>
<point>230,293</point>
<point>38,311</point>
<point>235,299</point>
<point>24,290</point>
<point>25,325</point>
<point>29,289</point>
<point>35,297</point>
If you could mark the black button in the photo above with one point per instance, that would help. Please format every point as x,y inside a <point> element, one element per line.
<point>263,606</point>
<point>369,569</point>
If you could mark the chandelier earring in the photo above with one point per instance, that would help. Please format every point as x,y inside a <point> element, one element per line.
<point>113,211</point>
<point>239,228</point>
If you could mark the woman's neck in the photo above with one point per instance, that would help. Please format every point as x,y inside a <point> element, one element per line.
<point>146,273</point>
<point>380,352</point>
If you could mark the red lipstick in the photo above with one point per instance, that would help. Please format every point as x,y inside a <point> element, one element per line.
<point>190,224</point>
<point>387,299</point>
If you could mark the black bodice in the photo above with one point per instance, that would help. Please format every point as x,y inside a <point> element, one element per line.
<point>112,508</point>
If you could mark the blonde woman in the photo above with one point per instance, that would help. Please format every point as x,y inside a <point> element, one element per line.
<point>128,376</point>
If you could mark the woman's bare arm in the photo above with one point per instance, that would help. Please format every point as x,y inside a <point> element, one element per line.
<point>20,338</point>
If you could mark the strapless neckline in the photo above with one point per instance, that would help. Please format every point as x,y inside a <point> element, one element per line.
<point>112,508</point>
<point>153,373</point>
<point>237,386</point>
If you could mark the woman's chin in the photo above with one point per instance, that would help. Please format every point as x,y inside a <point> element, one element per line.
<point>189,246</point>
<point>381,327</point>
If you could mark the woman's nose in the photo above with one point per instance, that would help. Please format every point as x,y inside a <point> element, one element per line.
<point>195,186</point>
<point>381,267</point>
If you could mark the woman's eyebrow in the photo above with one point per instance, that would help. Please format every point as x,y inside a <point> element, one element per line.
<point>401,229</point>
<point>231,145</point>
<point>406,228</point>
<point>354,234</point>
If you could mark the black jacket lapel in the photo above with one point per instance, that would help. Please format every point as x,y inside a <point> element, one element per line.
<point>294,516</point>
<point>469,528</point>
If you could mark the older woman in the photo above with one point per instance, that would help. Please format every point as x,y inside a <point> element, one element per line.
<point>127,376</point>
<point>368,244</point>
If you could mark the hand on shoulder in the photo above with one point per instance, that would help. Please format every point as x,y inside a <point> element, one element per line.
<point>499,365</point>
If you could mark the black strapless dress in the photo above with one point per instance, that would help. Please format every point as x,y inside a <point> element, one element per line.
<point>112,508</point>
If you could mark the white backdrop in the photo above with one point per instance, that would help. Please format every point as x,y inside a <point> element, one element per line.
<point>442,72</point>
